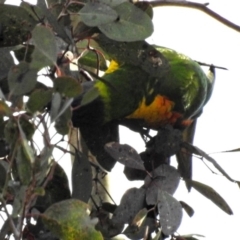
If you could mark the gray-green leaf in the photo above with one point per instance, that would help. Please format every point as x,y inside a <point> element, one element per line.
<point>132,24</point>
<point>211,194</point>
<point>94,14</point>
<point>170,211</point>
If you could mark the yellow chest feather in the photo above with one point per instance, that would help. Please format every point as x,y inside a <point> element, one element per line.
<point>156,114</point>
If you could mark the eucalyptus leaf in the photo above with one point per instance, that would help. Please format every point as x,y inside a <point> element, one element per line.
<point>132,24</point>
<point>125,154</point>
<point>170,211</point>
<point>55,106</point>
<point>64,106</point>
<point>212,195</point>
<point>67,86</point>
<point>3,173</point>
<point>131,203</point>
<point>5,110</point>
<point>90,96</point>
<point>113,3</point>
<point>18,204</point>
<point>42,164</point>
<point>44,41</point>
<point>96,13</point>
<point>38,100</point>
<point>188,209</point>
<point>60,30</point>
<point>24,166</point>
<point>165,178</point>
<point>26,148</point>
<point>81,177</point>
<point>21,79</point>
<point>63,119</point>
<point>6,62</point>
<point>136,233</point>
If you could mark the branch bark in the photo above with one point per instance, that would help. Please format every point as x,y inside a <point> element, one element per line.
<point>198,6</point>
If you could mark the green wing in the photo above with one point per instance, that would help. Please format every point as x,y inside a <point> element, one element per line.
<point>185,84</point>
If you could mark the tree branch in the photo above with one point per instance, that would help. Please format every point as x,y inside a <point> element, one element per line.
<point>198,6</point>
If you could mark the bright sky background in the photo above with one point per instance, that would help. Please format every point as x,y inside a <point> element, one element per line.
<point>204,39</point>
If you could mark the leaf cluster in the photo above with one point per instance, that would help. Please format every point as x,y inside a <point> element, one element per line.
<point>57,45</point>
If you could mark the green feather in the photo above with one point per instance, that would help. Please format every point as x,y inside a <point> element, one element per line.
<point>125,87</point>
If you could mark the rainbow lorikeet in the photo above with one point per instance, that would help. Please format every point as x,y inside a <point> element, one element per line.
<point>130,93</point>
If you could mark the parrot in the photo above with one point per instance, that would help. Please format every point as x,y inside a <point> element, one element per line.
<point>128,93</point>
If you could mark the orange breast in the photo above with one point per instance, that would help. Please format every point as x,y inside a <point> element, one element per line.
<point>157,114</point>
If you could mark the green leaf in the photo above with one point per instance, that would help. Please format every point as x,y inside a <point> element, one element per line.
<point>69,221</point>
<point>140,217</point>
<point>4,148</point>
<point>238,183</point>
<point>55,106</point>
<point>81,177</point>
<point>16,25</point>
<point>170,211</point>
<point>42,164</point>
<point>188,209</point>
<point>113,3</point>
<point>21,79</point>
<point>53,21</point>
<point>132,24</point>
<point>6,62</point>
<point>25,158</point>
<point>94,14</point>
<point>24,167</point>
<point>90,96</point>
<point>125,154</point>
<point>131,203</point>
<point>158,235</point>
<point>34,10</point>
<point>64,107</point>
<point>38,100</point>
<point>11,132</point>
<point>57,188</point>
<point>27,128</point>
<point>63,120</point>
<point>135,232</point>
<point>67,86</point>
<point>18,203</point>
<point>165,178</point>
<point>45,47</point>
<point>211,194</point>
<point>5,110</point>
<point>39,60</point>
<point>232,150</point>
<point>3,173</point>
<point>24,142</point>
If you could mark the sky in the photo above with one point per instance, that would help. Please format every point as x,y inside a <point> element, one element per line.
<point>202,38</point>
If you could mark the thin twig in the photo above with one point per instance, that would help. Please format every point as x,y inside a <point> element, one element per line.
<point>105,189</point>
<point>209,65</point>
<point>198,6</point>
